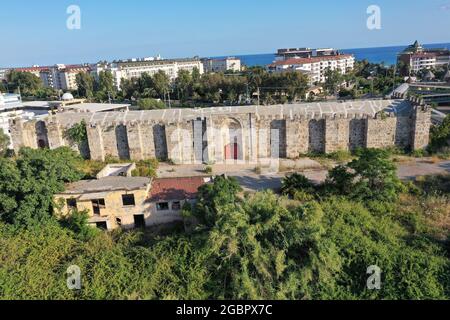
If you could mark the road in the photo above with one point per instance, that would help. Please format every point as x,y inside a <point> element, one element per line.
<point>254,182</point>
<point>407,171</point>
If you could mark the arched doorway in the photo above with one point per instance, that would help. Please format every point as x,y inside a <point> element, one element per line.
<point>232,150</point>
<point>232,140</point>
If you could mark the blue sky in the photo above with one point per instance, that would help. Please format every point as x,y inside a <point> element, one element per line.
<point>34,32</point>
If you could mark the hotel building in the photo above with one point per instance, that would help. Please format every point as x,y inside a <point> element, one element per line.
<point>315,67</point>
<point>417,58</point>
<point>136,68</point>
<point>60,76</point>
<point>295,53</point>
<point>222,65</point>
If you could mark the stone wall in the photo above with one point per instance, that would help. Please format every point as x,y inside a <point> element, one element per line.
<point>211,138</point>
<point>316,136</point>
<point>421,127</point>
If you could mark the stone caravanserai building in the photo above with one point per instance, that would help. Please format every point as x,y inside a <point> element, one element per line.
<point>245,134</point>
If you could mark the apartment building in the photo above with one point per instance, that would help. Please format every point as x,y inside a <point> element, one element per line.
<point>3,74</point>
<point>136,68</point>
<point>417,58</point>
<point>297,53</point>
<point>315,67</point>
<point>67,75</point>
<point>222,65</point>
<point>60,76</point>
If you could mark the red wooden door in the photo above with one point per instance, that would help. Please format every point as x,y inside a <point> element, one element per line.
<point>231,151</point>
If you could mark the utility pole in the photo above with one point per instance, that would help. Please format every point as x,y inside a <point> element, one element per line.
<point>170,104</point>
<point>259,92</point>
<point>20,94</point>
<point>393,77</point>
<point>248,94</point>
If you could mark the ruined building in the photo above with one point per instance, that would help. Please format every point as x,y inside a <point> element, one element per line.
<point>246,134</point>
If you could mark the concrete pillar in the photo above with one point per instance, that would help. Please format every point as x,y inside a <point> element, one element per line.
<point>381,131</point>
<point>297,137</point>
<point>16,127</point>
<point>187,142</point>
<point>264,133</point>
<point>174,146</point>
<point>211,137</point>
<point>108,133</point>
<point>135,141</point>
<point>252,139</point>
<point>198,141</point>
<point>337,134</point>
<point>95,141</point>
<point>54,134</point>
<point>421,127</point>
<point>147,140</point>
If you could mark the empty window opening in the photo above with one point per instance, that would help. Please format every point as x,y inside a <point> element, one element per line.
<point>162,206</point>
<point>71,204</point>
<point>98,205</point>
<point>128,200</point>
<point>102,225</point>
<point>176,206</point>
<point>139,221</point>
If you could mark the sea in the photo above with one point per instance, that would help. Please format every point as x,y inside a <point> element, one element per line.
<point>386,55</point>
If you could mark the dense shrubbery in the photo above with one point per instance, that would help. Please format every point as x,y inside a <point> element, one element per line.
<point>28,183</point>
<point>440,138</point>
<point>261,246</point>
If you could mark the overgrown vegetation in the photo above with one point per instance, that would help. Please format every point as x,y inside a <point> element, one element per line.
<point>4,143</point>
<point>77,133</point>
<point>440,138</point>
<point>315,243</point>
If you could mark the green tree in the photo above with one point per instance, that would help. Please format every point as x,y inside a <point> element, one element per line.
<point>371,177</point>
<point>183,84</point>
<point>105,88</point>
<point>4,143</point>
<point>161,83</point>
<point>294,183</point>
<point>440,136</point>
<point>150,104</point>
<point>27,82</point>
<point>85,85</point>
<point>333,80</point>
<point>296,84</point>
<point>212,196</point>
<point>30,182</point>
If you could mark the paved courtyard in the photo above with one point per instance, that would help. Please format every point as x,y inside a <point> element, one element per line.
<point>252,181</point>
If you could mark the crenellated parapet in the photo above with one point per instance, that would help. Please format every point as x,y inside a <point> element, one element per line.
<point>245,134</point>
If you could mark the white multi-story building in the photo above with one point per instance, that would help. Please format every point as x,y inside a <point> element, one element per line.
<point>3,73</point>
<point>59,76</point>
<point>296,53</point>
<point>315,67</point>
<point>135,69</point>
<point>417,58</point>
<point>9,105</point>
<point>222,65</point>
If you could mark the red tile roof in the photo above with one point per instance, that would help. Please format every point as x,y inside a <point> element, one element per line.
<point>294,61</point>
<point>31,69</point>
<point>176,188</point>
